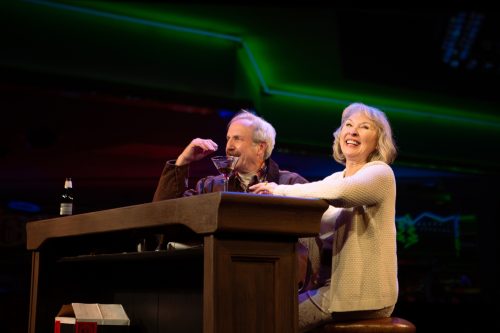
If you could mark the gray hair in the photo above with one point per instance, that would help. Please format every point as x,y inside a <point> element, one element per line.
<point>262,130</point>
<point>385,151</point>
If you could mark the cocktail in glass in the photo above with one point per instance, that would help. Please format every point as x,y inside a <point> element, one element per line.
<point>225,165</point>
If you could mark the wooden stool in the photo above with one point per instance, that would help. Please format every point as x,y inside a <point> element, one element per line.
<point>381,325</point>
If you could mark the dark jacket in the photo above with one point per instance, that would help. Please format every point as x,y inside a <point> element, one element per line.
<point>173,181</point>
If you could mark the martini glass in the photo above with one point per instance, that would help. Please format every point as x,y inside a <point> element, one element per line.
<point>225,165</point>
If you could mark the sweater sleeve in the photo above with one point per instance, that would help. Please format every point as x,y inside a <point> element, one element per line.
<point>368,186</point>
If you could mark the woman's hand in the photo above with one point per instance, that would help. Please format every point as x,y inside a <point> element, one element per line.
<point>263,188</point>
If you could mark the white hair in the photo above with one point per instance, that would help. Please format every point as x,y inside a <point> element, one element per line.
<point>262,130</point>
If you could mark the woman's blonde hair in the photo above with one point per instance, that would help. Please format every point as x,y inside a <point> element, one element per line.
<point>385,150</point>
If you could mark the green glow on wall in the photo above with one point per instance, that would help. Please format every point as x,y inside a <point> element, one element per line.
<point>403,109</point>
<point>408,228</point>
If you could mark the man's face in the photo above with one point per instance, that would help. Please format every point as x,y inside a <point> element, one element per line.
<point>240,143</point>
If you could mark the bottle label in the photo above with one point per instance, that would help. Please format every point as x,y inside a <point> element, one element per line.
<point>66,209</point>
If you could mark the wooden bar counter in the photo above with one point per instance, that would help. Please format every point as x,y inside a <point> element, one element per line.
<point>238,276</point>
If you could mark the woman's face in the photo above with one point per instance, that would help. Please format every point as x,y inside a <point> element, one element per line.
<point>358,138</point>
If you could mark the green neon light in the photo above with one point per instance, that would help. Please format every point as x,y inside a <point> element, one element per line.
<point>407,110</point>
<point>149,23</point>
<point>407,227</point>
<point>256,68</point>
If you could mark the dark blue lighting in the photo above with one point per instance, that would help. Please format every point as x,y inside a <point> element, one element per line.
<point>225,113</point>
<point>24,206</point>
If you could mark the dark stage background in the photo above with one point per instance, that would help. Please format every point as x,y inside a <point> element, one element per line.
<point>106,92</point>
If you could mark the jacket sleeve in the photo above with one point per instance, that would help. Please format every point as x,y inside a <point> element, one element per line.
<point>290,178</point>
<point>172,183</point>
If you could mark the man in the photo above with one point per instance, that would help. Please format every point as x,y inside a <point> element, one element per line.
<point>249,137</point>
<point>252,139</point>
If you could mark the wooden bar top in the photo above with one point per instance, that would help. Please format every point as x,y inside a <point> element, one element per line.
<point>242,212</point>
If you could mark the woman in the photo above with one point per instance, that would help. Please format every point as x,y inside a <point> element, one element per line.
<point>357,275</point>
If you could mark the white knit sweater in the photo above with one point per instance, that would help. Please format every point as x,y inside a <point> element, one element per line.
<point>359,226</point>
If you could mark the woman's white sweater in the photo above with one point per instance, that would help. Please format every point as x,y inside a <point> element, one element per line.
<point>359,227</point>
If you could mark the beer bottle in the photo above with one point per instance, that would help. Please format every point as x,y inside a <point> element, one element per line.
<point>66,207</point>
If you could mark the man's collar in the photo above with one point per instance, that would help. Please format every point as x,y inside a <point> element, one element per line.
<point>260,176</point>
